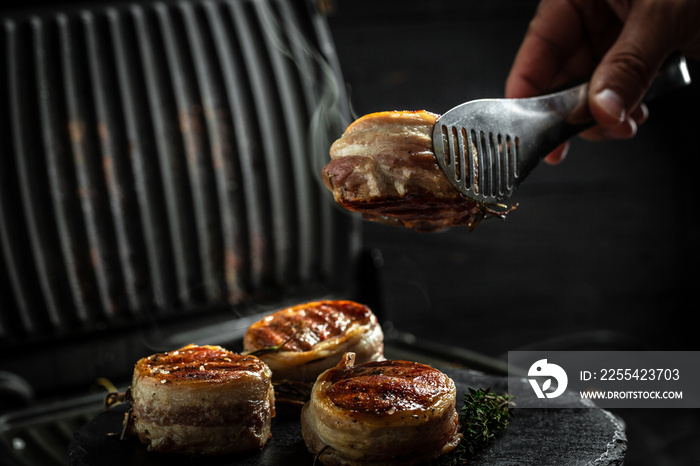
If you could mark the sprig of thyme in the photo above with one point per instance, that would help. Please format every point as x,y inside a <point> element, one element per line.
<point>483,417</point>
<point>292,392</point>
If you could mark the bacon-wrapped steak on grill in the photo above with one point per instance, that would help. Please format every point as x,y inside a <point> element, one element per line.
<point>300,342</point>
<point>381,413</point>
<point>201,400</point>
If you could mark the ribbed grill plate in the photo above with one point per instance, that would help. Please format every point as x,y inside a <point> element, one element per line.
<point>155,161</point>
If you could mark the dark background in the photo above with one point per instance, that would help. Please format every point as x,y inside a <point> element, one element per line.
<point>602,250</point>
<point>600,253</point>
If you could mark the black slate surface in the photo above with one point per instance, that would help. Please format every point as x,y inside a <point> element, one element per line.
<point>557,437</point>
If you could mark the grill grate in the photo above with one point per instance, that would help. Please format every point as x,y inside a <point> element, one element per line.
<point>158,183</point>
<point>154,162</point>
<point>40,436</point>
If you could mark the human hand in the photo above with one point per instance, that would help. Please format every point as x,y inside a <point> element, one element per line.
<point>621,44</point>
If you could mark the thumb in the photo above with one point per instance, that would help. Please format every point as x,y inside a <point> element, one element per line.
<point>624,74</point>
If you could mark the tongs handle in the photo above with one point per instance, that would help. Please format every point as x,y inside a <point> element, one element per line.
<point>574,101</point>
<point>673,75</point>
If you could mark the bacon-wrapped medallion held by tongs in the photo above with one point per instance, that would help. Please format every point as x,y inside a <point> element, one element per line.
<point>384,167</point>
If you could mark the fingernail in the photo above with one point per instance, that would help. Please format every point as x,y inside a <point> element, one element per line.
<point>626,130</point>
<point>611,102</point>
<point>558,154</point>
<point>564,152</point>
<point>640,114</point>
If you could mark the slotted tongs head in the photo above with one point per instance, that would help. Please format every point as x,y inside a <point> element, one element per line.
<point>487,147</point>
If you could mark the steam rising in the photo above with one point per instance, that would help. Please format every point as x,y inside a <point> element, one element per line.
<point>328,107</point>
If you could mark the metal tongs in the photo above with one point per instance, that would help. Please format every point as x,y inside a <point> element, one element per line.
<point>487,147</point>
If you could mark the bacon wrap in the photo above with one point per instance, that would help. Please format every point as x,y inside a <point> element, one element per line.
<point>201,400</point>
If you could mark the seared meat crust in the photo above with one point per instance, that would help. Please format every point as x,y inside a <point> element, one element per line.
<point>311,337</point>
<point>201,400</point>
<point>381,412</point>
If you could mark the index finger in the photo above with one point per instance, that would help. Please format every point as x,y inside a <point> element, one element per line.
<point>558,46</point>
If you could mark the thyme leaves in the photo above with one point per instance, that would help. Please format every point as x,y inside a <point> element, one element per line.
<point>483,417</point>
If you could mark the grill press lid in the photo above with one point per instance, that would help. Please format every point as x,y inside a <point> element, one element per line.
<point>158,171</point>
